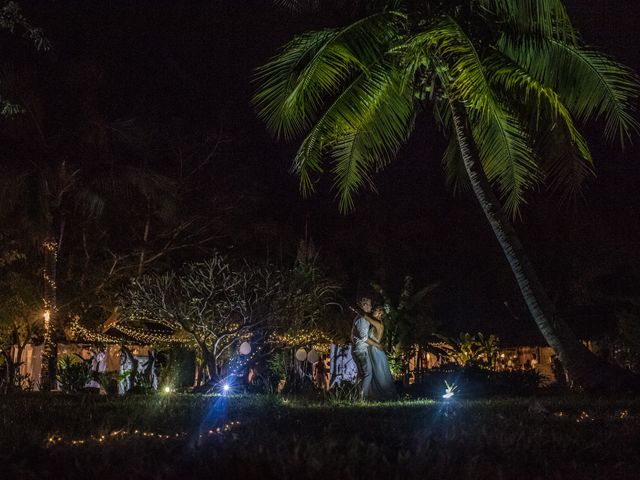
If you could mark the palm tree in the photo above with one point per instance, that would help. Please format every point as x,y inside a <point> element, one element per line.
<point>507,82</point>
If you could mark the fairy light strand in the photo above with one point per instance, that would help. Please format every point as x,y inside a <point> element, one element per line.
<point>56,439</point>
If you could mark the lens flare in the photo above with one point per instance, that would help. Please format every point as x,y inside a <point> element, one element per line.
<point>449,390</point>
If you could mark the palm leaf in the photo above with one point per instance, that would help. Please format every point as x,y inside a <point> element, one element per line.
<point>501,140</point>
<point>294,85</point>
<point>360,130</point>
<point>541,102</point>
<point>590,84</point>
<point>539,18</point>
<point>365,127</point>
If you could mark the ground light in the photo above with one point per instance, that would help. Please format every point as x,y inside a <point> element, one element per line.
<point>449,390</point>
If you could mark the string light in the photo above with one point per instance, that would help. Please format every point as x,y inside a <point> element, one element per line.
<point>318,339</point>
<point>47,324</point>
<point>583,417</point>
<point>57,439</point>
<point>79,331</point>
<point>143,336</point>
<point>151,336</point>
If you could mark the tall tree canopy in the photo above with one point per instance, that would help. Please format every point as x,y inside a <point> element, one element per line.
<point>507,81</point>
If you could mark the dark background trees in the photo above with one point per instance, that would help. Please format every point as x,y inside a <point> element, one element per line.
<point>140,87</point>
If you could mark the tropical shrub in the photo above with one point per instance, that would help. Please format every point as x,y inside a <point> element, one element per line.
<point>73,373</point>
<point>473,381</point>
<point>468,350</point>
<point>408,322</point>
<point>108,381</point>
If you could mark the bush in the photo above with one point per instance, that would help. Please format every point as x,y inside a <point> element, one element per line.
<point>108,381</point>
<point>475,381</point>
<point>176,368</point>
<point>73,373</point>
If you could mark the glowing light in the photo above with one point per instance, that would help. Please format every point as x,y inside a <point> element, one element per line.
<point>167,389</point>
<point>225,387</point>
<point>245,348</point>
<point>122,434</point>
<point>449,391</point>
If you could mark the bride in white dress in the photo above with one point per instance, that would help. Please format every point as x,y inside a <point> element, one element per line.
<point>382,386</point>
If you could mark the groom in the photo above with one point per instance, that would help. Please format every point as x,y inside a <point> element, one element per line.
<point>361,342</point>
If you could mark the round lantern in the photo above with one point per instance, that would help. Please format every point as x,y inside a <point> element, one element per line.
<point>312,356</point>
<point>245,348</point>
<point>301,355</point>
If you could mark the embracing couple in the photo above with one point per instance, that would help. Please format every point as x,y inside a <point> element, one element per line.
<point>374,375</point>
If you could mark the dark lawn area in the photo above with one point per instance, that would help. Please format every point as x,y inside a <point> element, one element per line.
<point>176,436</point>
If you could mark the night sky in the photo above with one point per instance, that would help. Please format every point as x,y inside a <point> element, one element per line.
<point>194,60</point>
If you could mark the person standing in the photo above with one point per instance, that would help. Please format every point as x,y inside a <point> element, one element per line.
<point>360,347</point>
<point>382,386</point>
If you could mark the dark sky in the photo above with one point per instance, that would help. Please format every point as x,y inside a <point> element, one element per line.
<point>194,59</point>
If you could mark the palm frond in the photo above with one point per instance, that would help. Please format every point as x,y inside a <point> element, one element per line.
<point>590,84</point>
<point>502,143</point>
<point>566,169</point>
<point>294,85</point>
<point>455,174</point>
<point>541,102</point>
<point>361,131</point>
<point>540,18</point>
<point>453,167</point>
<point>376,124</point>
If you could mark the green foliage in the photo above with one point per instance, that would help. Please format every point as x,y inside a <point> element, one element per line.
<point>20,307</point>
<point>472,350</point>
<point>520,70</point>
<point>627,344</point>
<point>344,393</point>
<point>219,303</point>
<point>109,381</point>
<point>476,439</point>
<point>408,321</point>
<point>23,382</point>
<point>277,365</point>
<point>143,384</point>
<point>176,368</point>
<point>12,18</point>
<point>73,373</point>
<point>474,380</point>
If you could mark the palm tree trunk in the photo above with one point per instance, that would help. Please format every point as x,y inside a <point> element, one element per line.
<point>49,355</point>
<point>583,367</point>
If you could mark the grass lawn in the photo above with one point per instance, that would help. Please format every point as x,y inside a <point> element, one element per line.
<point>189,436</point>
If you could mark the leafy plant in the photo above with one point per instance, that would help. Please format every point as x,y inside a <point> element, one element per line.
<point>474,381</point>
<point>343,392</point>
<point>509,82</point>
<point>23,381</point>
<point>277,365</point>
<point>470,349</point>
<point>109,381</point>
<point>142,384</point>
<point>73,373</point>
<point>408,322</point>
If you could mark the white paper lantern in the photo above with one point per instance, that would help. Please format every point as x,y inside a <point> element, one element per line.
<point>245,348</point>
<point>301,355</point>
<point>312,356</point>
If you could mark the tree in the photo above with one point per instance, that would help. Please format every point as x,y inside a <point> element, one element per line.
<point>506,81</point>
<point>408,322</point>
<point>12,19</point>
<point>468,349</point>
<point>115,214</point>
<point>19,309</point>
<point>217,305</point>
